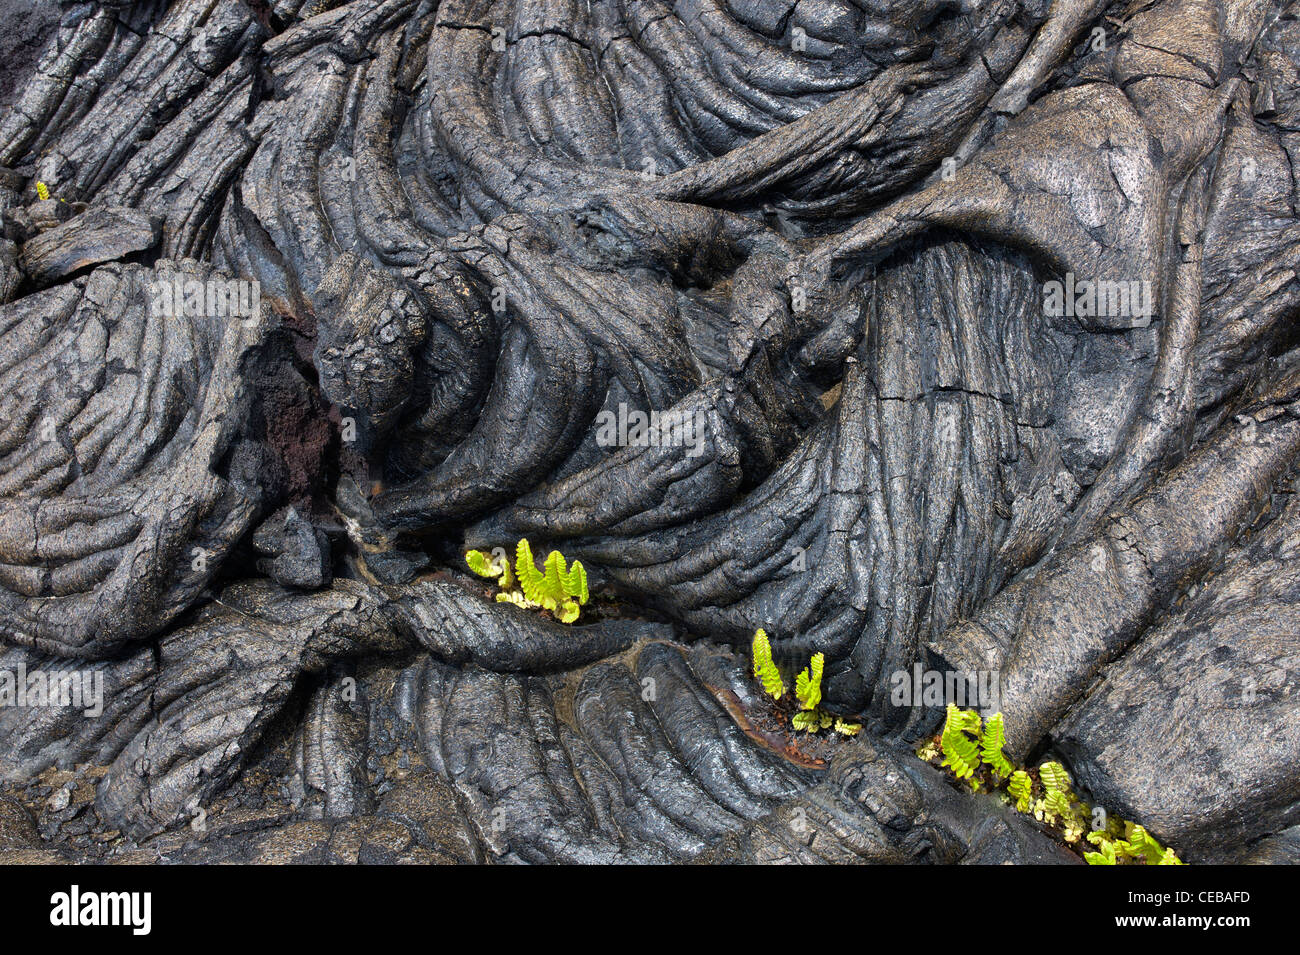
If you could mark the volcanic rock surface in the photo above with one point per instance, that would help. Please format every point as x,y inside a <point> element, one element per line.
<point>749,306</point>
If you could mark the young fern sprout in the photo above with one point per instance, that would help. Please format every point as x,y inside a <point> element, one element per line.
<point>807,689</point>
<point>1054,777</point>
<point>1021,788</point>
<point>765,670</point>
<point>968,743</point>
<point>991,746</point>
<point>1136,844</point>
<point>845,728</point>
<point>808,684</point>
<point>557,588</point>
<point>808,692</point>
<point>960,752</point>
<point>487,566</point>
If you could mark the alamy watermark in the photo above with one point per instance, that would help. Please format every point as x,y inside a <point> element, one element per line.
<point>74,908</point>
<point>75,689</point>
<point>1088,298</point>
<point>634,428</point>
<point>181,294</point>
<point>969,689</point>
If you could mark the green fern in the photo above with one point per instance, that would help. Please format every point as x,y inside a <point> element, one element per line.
<point>485,566</point>
<point>557,588</point>
<point>765,670</point>
<point>481,564</point>
<point>575,582</point>
<point>964,743</point>
<point>531,580</point>
<point>1054,777</point>
<point>1021,789</point>
<point>960,753</point>
<point>516,598</point>
<point>553,578</point>
<point>1073,822</point>
<point>845,728</point>
<point>1138,843</point>
<point>553,588</point>
<point>808,684</point>
<point>1055,805</point>
<point>810,718</point>
<point>811,721</point>
<point>991,743</point>
<point>1104,856</point>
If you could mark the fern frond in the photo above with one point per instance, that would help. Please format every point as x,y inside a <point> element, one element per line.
<point>1126,850</point>
<point>991,743</point>
<point>808,684</point>
<point>1054,777</point>
<point>481,563</point>
<point>549,589</point>
<point>811,721</point>
<point>760,651</point>
<point>530,578</point>
<point>485,565</point>
<point>959,750</point>
<point>554,570</point>
<point>1021,788</point>
<point>765,670</point>
<point>567,612</point>
<point>1073,822</point>
<point>1056,804</point>
<point>42,191</point>
<point>1141,844</point>
<point>575,582</point>
<point>1105,856</point>
<point>845,728</point>
<point>968,721</point>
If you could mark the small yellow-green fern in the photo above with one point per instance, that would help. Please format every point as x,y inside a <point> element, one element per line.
<point>42,191</point>
<point>1105,855</point>
<point>1054,805</point>
<point>557,588</point>
<point>964,743</point>
<point>1021,789</point>
<point>1054,777</point>
<point>554,574</point>
<point>516,598</point>
<point>1138,843</point>
<point>531,580</point>
<point>845,728</point>
<point>991,743</point>
<point>811,721</point>
<point>810,717</point>
<point>486,566</point>
<point>765,670</point>
<point>960,753</point>
<point>808,684</point>
<point>575,582</point>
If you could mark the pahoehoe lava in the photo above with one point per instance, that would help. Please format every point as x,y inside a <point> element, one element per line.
<point>299,301</point>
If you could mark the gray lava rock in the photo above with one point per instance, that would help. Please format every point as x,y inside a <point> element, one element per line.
<point>938,335</point>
